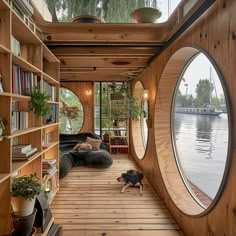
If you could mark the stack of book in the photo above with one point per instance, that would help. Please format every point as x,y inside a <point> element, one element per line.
<point>49,167</point>
<point>22,152</point>
<point>50,178</point>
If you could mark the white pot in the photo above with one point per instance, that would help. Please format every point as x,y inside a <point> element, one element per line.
<point>21,206</point>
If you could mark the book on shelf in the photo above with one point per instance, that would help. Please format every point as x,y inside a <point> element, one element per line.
<point>46,139</point>
<point>23,82</point>
<point>20,119</point>
<point>21,148</point>
<point>49,166</point>
<point>15,46</point>
<point>23,156</point>
<point>23,7</point>
<point>49,163</point>
<point>50,90</point>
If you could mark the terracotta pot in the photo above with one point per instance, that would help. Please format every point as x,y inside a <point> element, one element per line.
<point>87,19</point>
<point>146,15</point>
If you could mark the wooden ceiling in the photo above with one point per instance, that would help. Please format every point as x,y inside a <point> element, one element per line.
<point>108,51</point>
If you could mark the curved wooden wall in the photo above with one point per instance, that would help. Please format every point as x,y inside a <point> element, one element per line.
<point>79,89</point>
<point>214,32</point>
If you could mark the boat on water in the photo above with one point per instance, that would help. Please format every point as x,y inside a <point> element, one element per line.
<point>199,111</point>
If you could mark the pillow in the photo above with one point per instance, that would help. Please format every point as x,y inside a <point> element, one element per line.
<point>94,142</point>
<point>82,146</point>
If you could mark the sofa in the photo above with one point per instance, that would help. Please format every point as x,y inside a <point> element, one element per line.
<point>97,158</point>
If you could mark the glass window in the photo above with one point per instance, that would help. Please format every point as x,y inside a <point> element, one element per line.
<point>139,127</point>
<point>109,10</point>
<point>200,129</point>
<point>71,112</point>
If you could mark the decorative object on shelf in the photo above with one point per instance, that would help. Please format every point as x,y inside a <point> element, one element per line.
<point>2,127</point>
<point>146,15</point>
<point>39,103</point>
<point>87,19</point>
<point>24,190</point>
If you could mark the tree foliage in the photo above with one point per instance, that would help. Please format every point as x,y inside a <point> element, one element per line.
<point>203,91</point>
<point>109,10</point>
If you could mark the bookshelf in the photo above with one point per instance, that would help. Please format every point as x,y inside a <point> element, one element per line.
<point>118,117</point>
<point>24,63</point>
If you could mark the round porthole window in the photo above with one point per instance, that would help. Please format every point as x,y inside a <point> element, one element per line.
<point>139,126</point>
<point>195,161</point>
<point>71,112</point>
<point>200,129</point>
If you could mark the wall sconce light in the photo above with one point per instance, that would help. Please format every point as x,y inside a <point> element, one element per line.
<point>145,95</point>
<point>88,92</point>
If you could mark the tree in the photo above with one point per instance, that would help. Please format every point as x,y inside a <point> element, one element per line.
<point>203,90</point>
<point>109,10</point>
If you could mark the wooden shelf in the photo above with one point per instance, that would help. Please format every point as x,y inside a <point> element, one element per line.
<point>3,177</point>
<point>48,55</point>
<point>17,165</point>
<point>50,102</point>
<point>45,126</point>
<point>4,5</point>
<point>5,94</point>
<point>49,79</point>
<point>3,49</point>
<point>24,131</point>
<point>18,97</point>
<point>49,146</point>
<point>22,32</point>
<point>24,64</point>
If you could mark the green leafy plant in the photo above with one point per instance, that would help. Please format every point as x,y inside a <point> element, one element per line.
<point>26,186</point>
<point>39,103</point>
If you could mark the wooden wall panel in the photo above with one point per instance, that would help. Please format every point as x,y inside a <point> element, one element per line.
<point>79,88</point>
<point>214,32</point>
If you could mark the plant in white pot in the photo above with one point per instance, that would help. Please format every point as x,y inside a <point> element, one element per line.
<point>24,190</point>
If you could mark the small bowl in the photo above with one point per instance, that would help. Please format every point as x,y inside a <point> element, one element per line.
<point>87,19</point>
<point>146,15</point>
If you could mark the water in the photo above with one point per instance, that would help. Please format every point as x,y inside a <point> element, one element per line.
<point>202,145</point>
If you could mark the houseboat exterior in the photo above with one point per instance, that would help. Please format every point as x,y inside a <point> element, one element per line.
<point>198,111</point>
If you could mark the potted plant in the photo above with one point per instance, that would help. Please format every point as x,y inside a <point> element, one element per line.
<point>106,136</point>
<point>39,103</point>
<point>24,190</point>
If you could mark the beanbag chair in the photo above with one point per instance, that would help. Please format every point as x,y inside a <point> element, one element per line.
<point>98,159</point>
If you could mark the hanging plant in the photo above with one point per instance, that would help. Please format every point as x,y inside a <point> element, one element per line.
<point>39,103</point>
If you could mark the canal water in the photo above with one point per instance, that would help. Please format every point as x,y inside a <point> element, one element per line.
<point>202,146</point>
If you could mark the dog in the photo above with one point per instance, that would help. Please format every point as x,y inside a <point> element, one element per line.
<point>131,178</point>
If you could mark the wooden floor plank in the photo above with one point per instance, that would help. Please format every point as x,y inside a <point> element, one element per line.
<point>124,233</point>
<point>89,203</point>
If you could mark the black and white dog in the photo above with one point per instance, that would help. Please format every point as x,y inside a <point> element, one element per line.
<point>131,178</point>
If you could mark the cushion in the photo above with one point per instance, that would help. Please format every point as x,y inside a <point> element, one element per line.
<point>94,142</point>
<point>82,146</point>
<point>100,158</point>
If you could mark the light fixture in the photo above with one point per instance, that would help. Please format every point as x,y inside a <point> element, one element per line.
<point>145,95</point>
<point>88,92</point>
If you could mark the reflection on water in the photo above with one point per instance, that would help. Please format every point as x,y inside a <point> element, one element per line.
<point>202,143</point>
